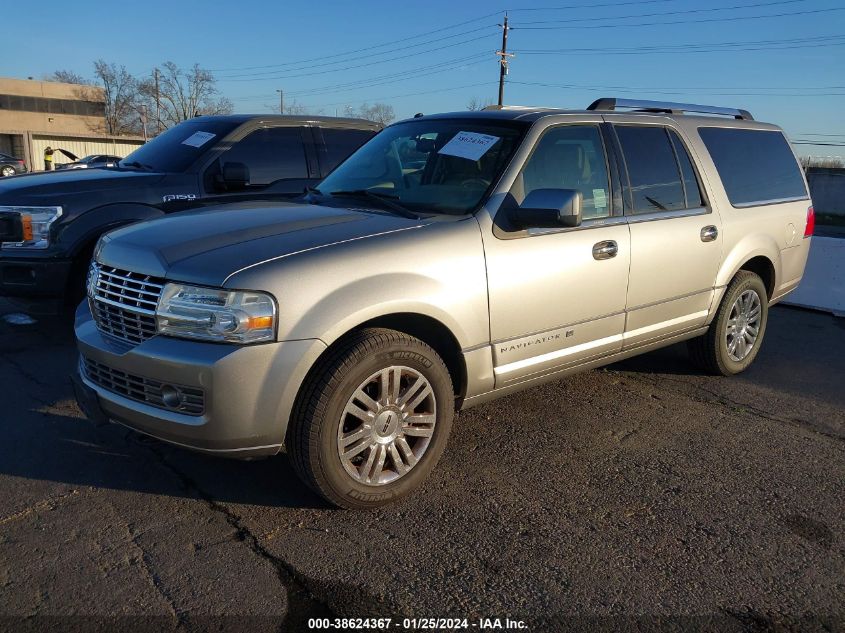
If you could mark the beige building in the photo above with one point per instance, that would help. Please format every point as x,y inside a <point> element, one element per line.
<point>37,114</point>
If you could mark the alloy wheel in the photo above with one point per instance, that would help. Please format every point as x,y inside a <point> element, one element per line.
<point>743,327</point>
<point>387,425</point>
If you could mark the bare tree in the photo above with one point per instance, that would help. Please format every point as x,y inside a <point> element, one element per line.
<point>68,77</point>
<point>477,104</point>
<point>183,94</point>
<point>379,112</point>
<point>120,90</point>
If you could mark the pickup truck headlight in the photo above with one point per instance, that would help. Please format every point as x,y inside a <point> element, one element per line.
<point>35,223</point>
<point>236,316</point>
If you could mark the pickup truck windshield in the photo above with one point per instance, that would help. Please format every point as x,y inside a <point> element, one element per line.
<point>434,165</point>
<point>176,149</point>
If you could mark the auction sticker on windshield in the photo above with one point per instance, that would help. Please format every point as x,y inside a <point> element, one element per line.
<point>198,139</point>
<point>469,145</point>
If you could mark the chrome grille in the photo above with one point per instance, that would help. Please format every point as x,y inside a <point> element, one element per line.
<point>187,400</point>
<point>123,302</point>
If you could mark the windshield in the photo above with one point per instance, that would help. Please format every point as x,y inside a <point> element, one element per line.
<point>176,149</point>
<point>436,165</point>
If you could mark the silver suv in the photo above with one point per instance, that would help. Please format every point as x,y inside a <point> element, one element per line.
<point>451,260</point>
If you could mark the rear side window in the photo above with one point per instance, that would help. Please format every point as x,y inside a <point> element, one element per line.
<point>338,145</point>
<point>653,171</point>
<point>271,154</point>
<point>756,166</point>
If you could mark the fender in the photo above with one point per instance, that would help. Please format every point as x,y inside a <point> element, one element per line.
<point>364,300</point>
<point>88,226</point>
<point>746,249</point>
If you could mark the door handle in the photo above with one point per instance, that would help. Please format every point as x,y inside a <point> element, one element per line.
<point>709,233</point>
<point>605,249</point>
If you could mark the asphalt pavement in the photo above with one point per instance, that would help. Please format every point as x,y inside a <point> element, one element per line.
<point>643,495</point>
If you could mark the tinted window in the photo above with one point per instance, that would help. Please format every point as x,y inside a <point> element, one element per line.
<point>271,154</point>
<point>691,187</point>
<point>569,157</point>
<point>754,165</point>
<point>655,180</point>
<point>177,148</point>
<point>339,144</point>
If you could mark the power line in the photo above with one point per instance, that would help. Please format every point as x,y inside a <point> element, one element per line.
<point>684,91</point>
<point>650,15</point>
<point>696,21</point>
<point>351,59</point>
<point>807,42</point>
<point>408,38</point>
<point>361,50</point>
<point>422,71</point>
<point>413,94</point>
<point>817,143</point>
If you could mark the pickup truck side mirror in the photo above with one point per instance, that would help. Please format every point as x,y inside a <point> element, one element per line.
<point>548,208</point>
<point>233,177</point>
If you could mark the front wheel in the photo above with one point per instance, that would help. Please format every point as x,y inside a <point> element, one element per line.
<point>372,420</point>
<point>734,338</point>
<point>7,171</point>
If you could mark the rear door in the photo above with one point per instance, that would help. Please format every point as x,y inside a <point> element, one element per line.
<point>676,241</point>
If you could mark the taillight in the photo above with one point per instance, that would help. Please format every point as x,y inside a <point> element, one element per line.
<point>811,222</point>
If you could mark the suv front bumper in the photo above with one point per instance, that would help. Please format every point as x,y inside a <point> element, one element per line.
<point>247,391</point>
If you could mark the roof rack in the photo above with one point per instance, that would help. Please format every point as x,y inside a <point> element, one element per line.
<point>611,103</point>
<point>517,107</point>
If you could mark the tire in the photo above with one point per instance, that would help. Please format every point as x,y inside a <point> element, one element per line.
<point>410,423</point>
<point>7,171</point>
<point>715,351</point>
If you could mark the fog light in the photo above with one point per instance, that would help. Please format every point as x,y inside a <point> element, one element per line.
<point>171,397</point>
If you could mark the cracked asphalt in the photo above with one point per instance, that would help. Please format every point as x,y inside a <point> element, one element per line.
<point>644,495</point>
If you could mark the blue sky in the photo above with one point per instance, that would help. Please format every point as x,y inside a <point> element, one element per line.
<point>783,60</point>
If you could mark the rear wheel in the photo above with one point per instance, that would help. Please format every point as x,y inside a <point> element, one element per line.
<point>372,420</point>
<point>7,171</point>
<point>734,338</point>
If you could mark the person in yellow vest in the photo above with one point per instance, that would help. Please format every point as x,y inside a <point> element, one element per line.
<point>48,158</point>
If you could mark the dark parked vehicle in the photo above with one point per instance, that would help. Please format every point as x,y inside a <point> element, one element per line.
<point>11,166</point>
<point>92,161</point>
<point>50,222</point>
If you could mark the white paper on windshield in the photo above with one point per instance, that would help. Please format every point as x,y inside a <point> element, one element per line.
<point>469,145</point>
<point>198,139</point>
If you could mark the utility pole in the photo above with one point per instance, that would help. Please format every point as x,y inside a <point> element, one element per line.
<point>158,103</point>
<point>281,101</point>
<point>503,59</point>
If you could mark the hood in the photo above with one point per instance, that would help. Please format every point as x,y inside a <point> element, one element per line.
<point>58,188</point>
<point>207,246</point>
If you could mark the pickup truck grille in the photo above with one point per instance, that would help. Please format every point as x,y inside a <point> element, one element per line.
<point>123,302</point>
<point>187,400</point>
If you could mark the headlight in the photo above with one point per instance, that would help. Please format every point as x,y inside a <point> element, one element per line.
<point>36,222</point>
<point>237,316</point>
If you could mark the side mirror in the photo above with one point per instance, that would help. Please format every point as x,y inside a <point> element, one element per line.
<point>233,177</point>
<point>548,208</point>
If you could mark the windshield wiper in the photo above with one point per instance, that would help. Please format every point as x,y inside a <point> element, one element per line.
<point>135,163</point>
<point>388,200</point>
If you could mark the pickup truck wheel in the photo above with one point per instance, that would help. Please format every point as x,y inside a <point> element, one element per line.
<point>372,420</point>
<point>736,333</point>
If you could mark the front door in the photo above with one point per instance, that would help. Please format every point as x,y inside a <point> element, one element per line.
<point>556,297</point>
